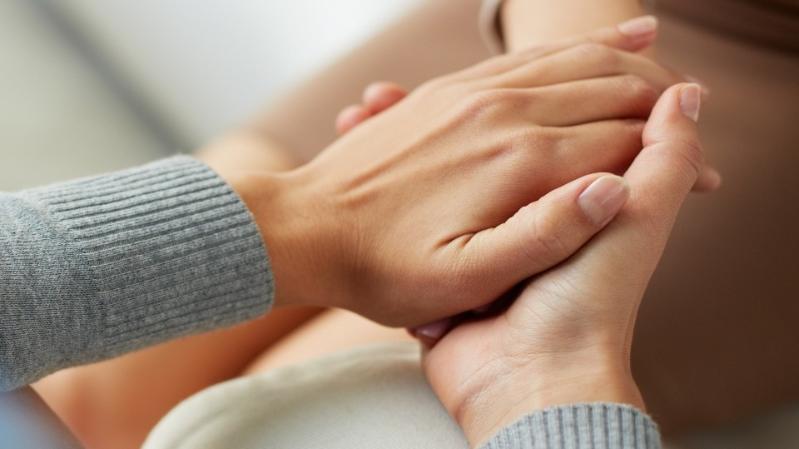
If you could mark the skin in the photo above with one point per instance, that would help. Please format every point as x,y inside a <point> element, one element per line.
<point>491,372</point>
<point>695,397</point>
<point>88,398</point>
<point>488,77</point>
<point>727,281</point>
<point>527,23</point>
<point>567,337</point>
<point>252,146</point>
<point>473,90</point>
<point>575,322</point>
<point>722,308</point>
<point>473,237</point>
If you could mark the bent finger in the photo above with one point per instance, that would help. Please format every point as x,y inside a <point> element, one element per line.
<point>379,96</point>
<point>350,117</point>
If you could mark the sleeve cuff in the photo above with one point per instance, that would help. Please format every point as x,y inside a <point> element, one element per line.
<point>580,426</point>
<point>171,248</point>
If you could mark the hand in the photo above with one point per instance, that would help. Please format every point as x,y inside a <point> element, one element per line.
<point>386,214</point>
<point>567,336</point>
<point>377,97</point>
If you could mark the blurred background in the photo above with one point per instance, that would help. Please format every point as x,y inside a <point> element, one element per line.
<point>89,86</point>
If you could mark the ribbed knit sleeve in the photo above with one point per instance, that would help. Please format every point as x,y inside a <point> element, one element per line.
<point>98,267</point>
<point>580,426</point>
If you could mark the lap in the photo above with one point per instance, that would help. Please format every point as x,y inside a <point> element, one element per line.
<point>374,396</point>
<point>332,331</point>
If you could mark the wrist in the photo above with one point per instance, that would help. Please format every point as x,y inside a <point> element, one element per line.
<point>278,214</point>
<point>541,386</point>
<point>246,150</point>
<point>526,23</point>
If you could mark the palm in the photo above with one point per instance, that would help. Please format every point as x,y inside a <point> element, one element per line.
<point>557,316</point>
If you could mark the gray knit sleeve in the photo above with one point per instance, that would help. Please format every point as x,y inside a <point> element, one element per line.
<point>98,267</point>
<point>580,426</point>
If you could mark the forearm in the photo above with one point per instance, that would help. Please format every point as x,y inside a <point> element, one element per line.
<point>532,22</point>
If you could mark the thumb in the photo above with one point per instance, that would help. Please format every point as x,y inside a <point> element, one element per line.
<point>626,254</point>
<point>672,159</point>
<point>548,231</point>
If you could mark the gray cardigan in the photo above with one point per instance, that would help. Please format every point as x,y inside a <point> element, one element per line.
<point>97,267</point>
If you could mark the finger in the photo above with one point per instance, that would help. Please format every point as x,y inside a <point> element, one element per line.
<point>350,117</point>
<point>548,231</point>
<point>590,100</point>
<point>660,178</point>
<point>378,97</point>
<point>583,62</point>
<point>633,35</point>
<point>672,158</point>
<point>619,262</point>
<point>598,146</point>
<point>709,180</point>
<point>608,146</point>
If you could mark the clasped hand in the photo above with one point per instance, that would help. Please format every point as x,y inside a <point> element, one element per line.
<point>499,180</point>
<point>439,205</point>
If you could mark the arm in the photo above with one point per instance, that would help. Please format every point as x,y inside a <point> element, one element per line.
<point>553,368</point>
<point>525,23</point>
<point>97,267</point>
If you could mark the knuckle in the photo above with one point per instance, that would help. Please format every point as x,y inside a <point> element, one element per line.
<point>598,54</point>
<point>682,154</point>
<point>486,102</point>
<point>640,90</point>
<point>636,129</point>
<point>590,48</point>
<point>548,241</point>
<point>491,98</point>
<point>691,154</point>
<point>631,132</point>
<point>478,103</point>
<point>537,139</point>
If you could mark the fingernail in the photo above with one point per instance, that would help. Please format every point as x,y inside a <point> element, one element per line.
<point>640,26</point>
<point>702,84</point>
<point>714,178</point>
<point>433,331</point>
<point>691,101</point>
<point>603,198</point>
